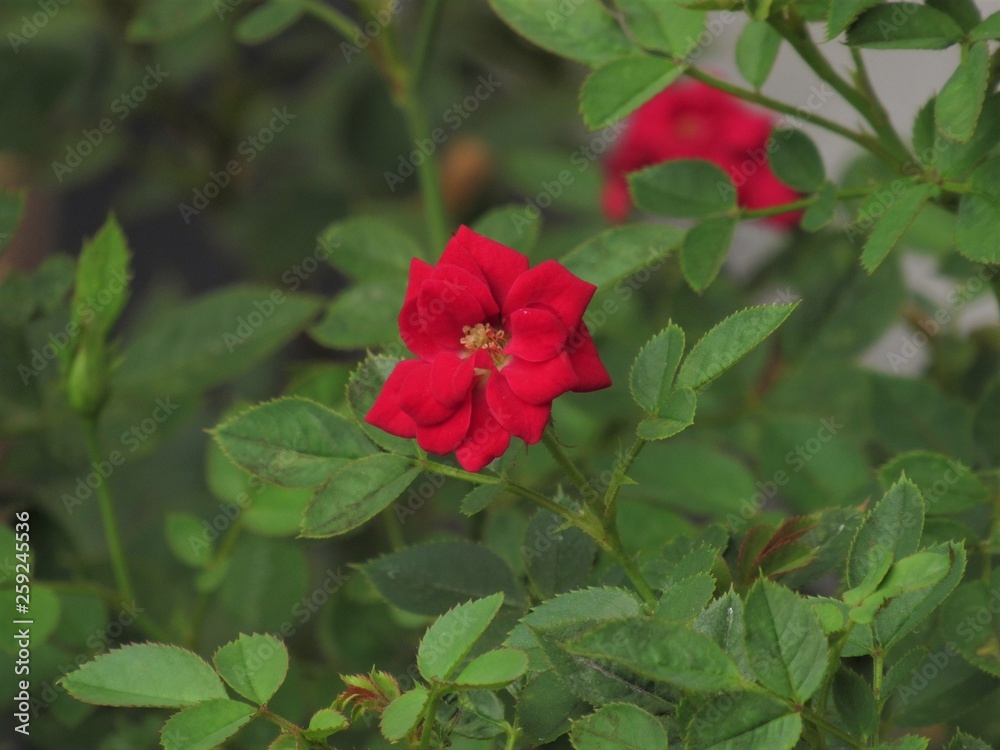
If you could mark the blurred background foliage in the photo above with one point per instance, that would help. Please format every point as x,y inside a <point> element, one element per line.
<point>768,415</point>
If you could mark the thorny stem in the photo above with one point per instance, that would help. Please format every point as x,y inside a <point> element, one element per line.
<point>565,462</point>
<point>864,140</point>
<point>122,578</point>
<point>797,34</point>
<point>404,84</point>
<point>604,533</point>
<point>430,712</point>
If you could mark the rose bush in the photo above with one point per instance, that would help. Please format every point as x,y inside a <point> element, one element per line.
<point>401,441</point>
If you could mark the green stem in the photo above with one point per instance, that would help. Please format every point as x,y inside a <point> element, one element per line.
<point>333,18</point>
<point>605,534</point>
<point>818,721</point>
<point>862,139</point>
<point>204,598</point>
<point>427,171</point>
<point>564,460</point>
<point>429,22</point>
<point>430,714</point>
<point>118,563</point>
<point>757,213</point>
<point>797,34</point>
<point>114,599</point>
<point>618,476</point>
<point>880,117</point>
<point>878,672</point>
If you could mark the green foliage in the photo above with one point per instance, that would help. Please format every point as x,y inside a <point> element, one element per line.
<point>617,88</point>
<point>756,51</point>
<point>685,189</point>
<point>253,665</point>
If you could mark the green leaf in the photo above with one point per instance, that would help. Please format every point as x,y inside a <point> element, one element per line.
<point>157,20</point>
<point>979,215</point>
<point>756,50</point>
<point>584,31</point>
<point>727,343</point>
<point>145,675</point>
<point>684,599</point>
<point>796,161</point>
<point>662,651</point>
<point>907,742</point>
<point>962,622</point>
<point>891,530</point>
<point>253,665</point>
<point>325,722</point>
<point>958,106</point>
<point>904,26</point>
<point>962,741</point>
<point>433,578</point>
<point>267,21</point>
<point>102,275</point>
<point>11,210</point>
<point>618,726</point>
<point>988,29</point>
<point>183,530</point>
<point>652,373</point>
<point>683,188</point>
<point>894,222</point>
<point>556,559</point>
<point>206,725</point>
<point>963,11</point>
<point>852,695</point>
<point>945,484</point>
<point>291,442</point>
<point>822,212</point>
<point>508,226</point>
<point>343,328</point>
<point>758,9</point>
<point>356,493</point>
<point>843,12</point>
<point>743,721</point>
<point>722,621</point>
<point>211,340</point>
<point>630,250</point>
<point>785,642</point>
<point>664,25</point>
<point>363,387</point>
<point>905,612</point>
<point>288,742</point>
<point>480,498</point>
<point>451,637</point>
<point>368,248</point>
<point>676,415</point>
<point>401,716</point>
<point>619,87</point>
<point>493,670</point>
<point>706,246</point>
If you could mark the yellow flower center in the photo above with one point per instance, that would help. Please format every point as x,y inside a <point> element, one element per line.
<point>484,336</point>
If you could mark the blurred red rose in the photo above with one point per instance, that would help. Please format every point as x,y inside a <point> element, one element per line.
<point>496,342</point>
<point>695,121</point>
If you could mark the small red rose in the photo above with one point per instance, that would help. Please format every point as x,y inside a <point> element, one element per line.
<point>496,342</point>
<point>696,121</point>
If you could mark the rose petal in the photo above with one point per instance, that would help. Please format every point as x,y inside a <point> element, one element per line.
<point>540,382</point>
<point>486,439</point>
<point>411,330</point>
<point>450,300</point>
<point>451,378</point>
<point>535,334</point>
<point>444,437</point>
<point>551,284</point>
<point>586,361</point>
<point>500,265</point>
<point>385,412</point>
<point>517,416</point>
<point>416,400</point>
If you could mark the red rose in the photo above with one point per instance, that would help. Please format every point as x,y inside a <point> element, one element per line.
<point>694,121</point>
<point>496,342</point>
